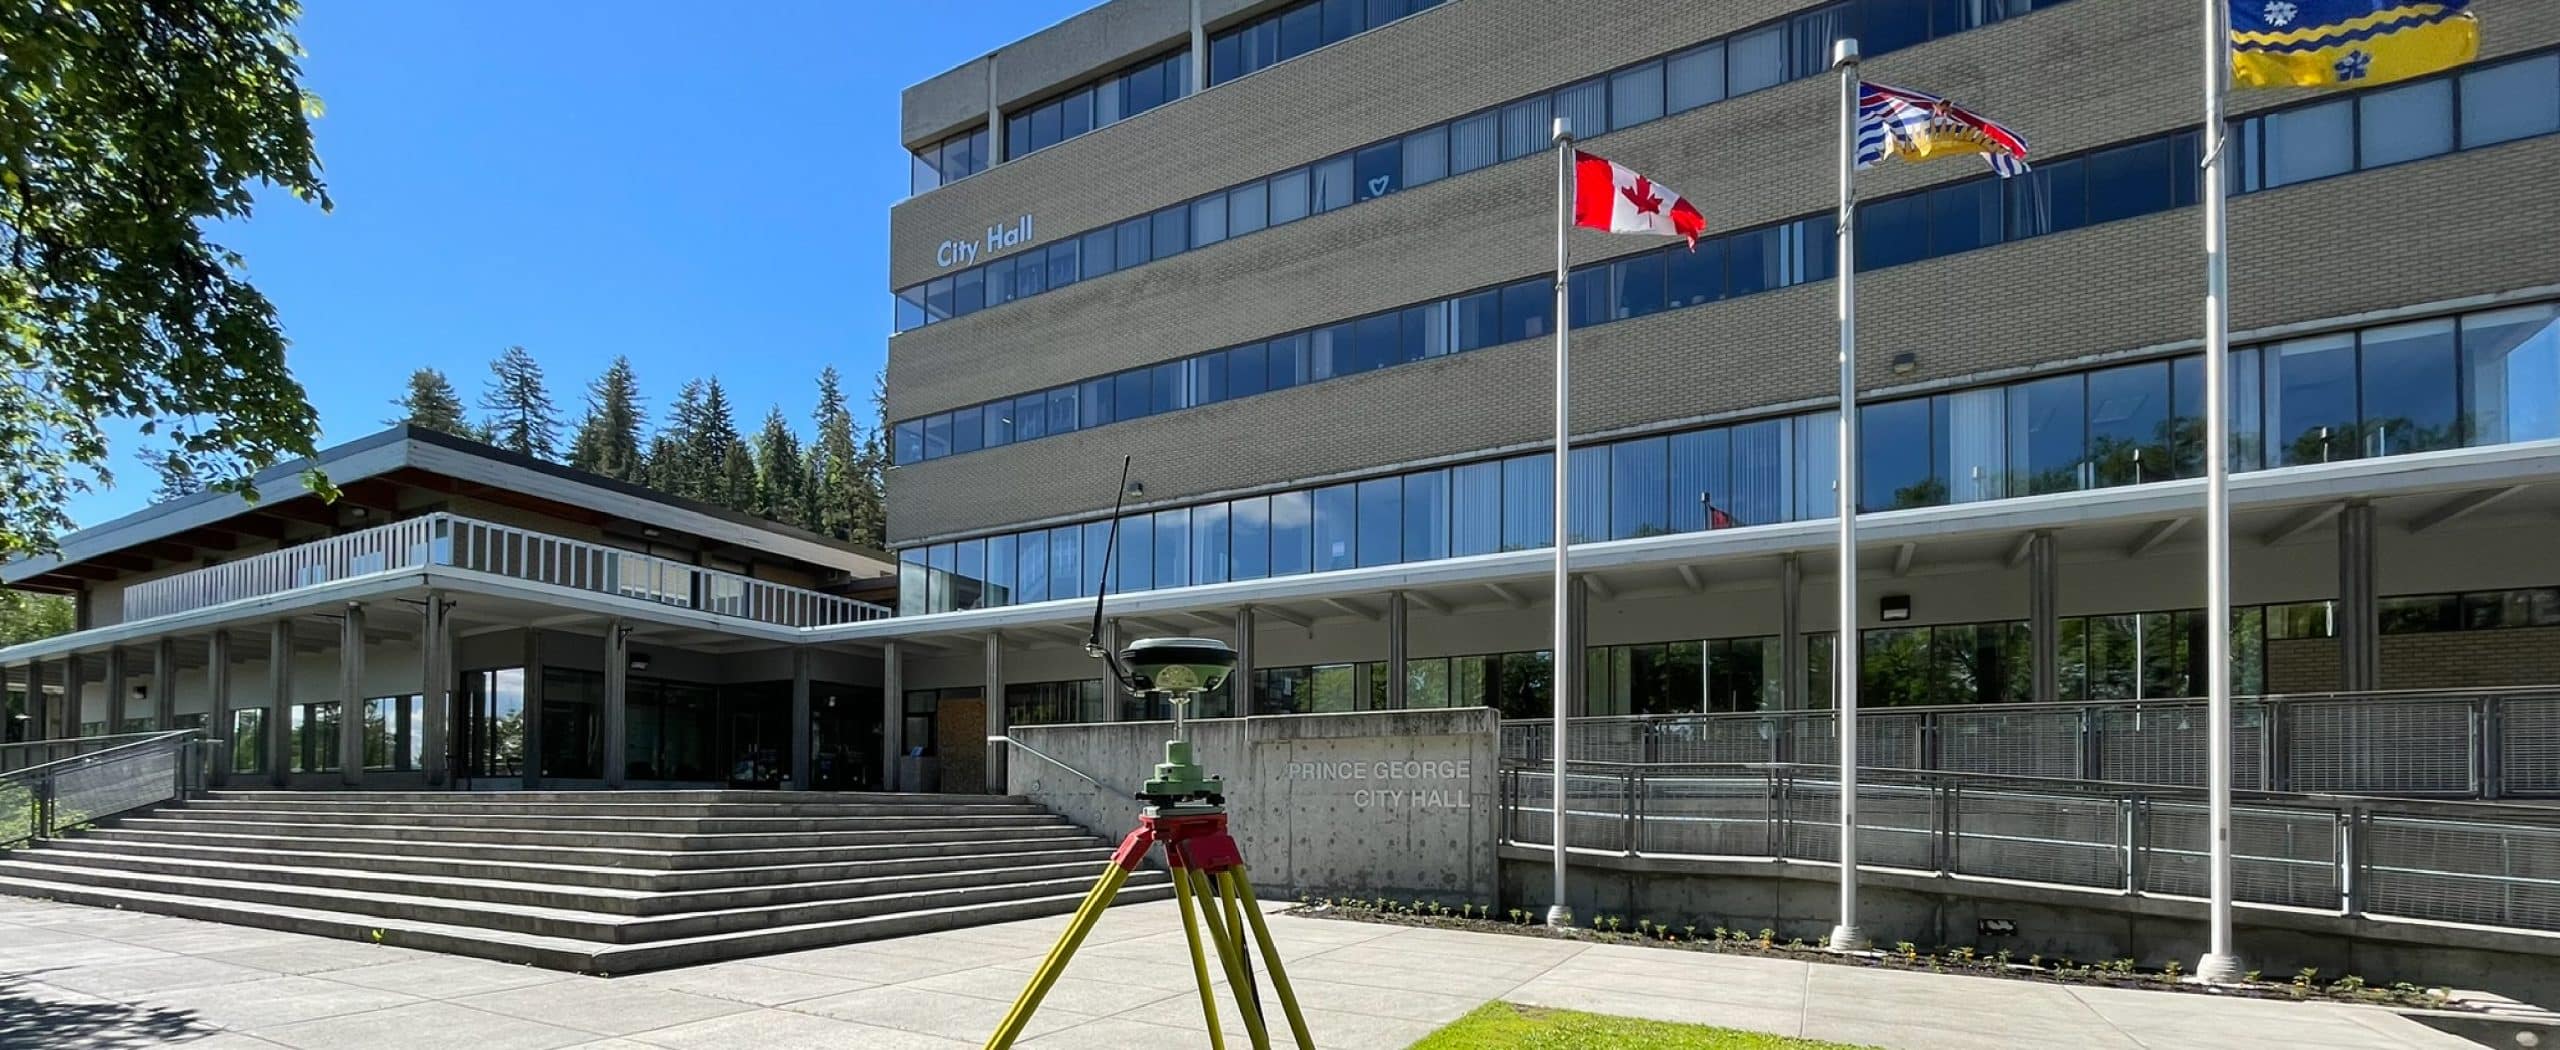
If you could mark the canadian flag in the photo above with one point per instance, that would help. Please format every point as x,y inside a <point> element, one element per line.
<point>1608,196</point>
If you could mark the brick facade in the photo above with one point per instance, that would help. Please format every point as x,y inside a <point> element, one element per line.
<point>2435,660</point>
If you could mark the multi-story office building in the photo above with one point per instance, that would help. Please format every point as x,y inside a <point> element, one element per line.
<point>1295,261</point>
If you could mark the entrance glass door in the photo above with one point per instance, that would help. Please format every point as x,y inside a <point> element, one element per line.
<point>491,734</point>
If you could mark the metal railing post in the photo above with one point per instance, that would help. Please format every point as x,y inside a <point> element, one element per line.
<point>1632,782</point>
<point>2089,766</point>
<point>2488,729</point>
<point>2275,746</point>
<point>1781,789</point>
<point>2352,827</point>
<point>2137,843</point>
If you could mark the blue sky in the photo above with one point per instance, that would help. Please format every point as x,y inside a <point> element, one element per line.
<point>706,194</point>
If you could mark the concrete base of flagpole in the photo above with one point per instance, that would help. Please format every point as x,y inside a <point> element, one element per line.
<point>1848,939</point>
<point>2219,969</point>
<point>1560,916</point>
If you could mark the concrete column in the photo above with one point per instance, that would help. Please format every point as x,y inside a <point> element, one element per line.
<point>1199,50</point>
<point>893,721</point>
<point>1240,684</point>
<point>351,696</point>
<point>1576,663</point>
<point>279,717</point>
<point>802,754</point>
<point>115,690</point>
<point>532,709</point>
<point>217,687</point>
<point>2359,607</point>
<point>2044,617</point>
<point>994,679</point>
<point>436,681</point>
<point>1795,678</point>
<point>18,729</point>
<point>164,685</point>
<point>1396,673</point>
<point>39,713</point>
<point>617,703</point>
<point>1114,700</point>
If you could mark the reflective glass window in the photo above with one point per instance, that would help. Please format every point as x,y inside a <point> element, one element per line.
<point>1169,386</point>
<point>1635,95</point>
<point>1062,263</point>
<point>1289,196</point>
<point>997,420</point>
<point>1584,106</point>
<point>1248,208</point>
<point>910,441</point>
<point>1144,89</point>
<point>1132,395</point>
<point>1292,533</point>
<point>1893,232</point>
<point>1761,475</point>
<point>1694,276</point>
<point>1475,508</point>
<point>1588,516</point>
<point>2511,366</point>
<point>1528,310</point>
<point>2411,384</point>
<point>2130,435</point>
<point>1224,64</point>
<point>926,171</point>
<point>1753,262</point>
<point>1209,543</point>
<point>1209,219</point>
<point>1136,239</point>
<point>1636,285</point>
<point>937,300</point>
<point>1477,319</point>
<point>1045,126</point>
<point>1172,235</point>
<point>1374,340</point>
<point>1527,126</point>
<point>2047,419</point>
<point>1031,567</point>
<point>1287,360</point>
<point>1381,520</point>
<point>1062,410</point>
<point>1249,537</point>
<point>1000,568</point>
<point>1890,25</point>
<point>1756,61</point>
<point>1247,370</point>
<point>1133,563</point>
<point>1812,33</point>
<point>1639,488</point>
<point>1588,295</point>
<point>1528,501</point>
<point>2405,123</point>
<point>1173,547</point>
<point>1474,142</point>
<point>1209,378</point>
<point>937,436</point>
<point>1337,527</point>
<point>910,309</point>
<point>1426,155</point>
<point>1030,416</point>
<point>1332,187</point>
<point>2128,181</point>
<point>2510,101</point>
<point>1100,249</point>
<point>1301,31</point>
<point>1377,170</point>
<point>1066,562</point>
<point>2311,400</point>
<point>1700,497</point>
<point>1341,19</point>
<point>968,292</point>
<point>1426,516</point>
<point>2308,143</point>
<point>1895,461</point>
<point>1694,77</point>
<point>1964,216</point>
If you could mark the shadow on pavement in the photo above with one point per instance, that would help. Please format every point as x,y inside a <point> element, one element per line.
<point>35,1015</point>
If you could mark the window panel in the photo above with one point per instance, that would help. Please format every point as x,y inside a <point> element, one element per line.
<point>1225,52</point>
<point>1287,358</point>
<point>1478,320</point>
<point>910,315</point>
<point>1110,102</point>
<point>1812,33</point>
<point>1589,514</point>
<point>1045,126</point>
<point>1249,538</point>
<point>1000,284</point>
<point>1762,473</point>
<point>1374,341</point>
<point>1289,196</point>
<point>2047,419</point>
<point>1209,219</point>
<point>968,292</point>
<point>1756,61</point>
<point>1133,395</point>
<point>2410,384</point>
<point>1527,126</point>
<point>1332,186</point>
<point>2511,362</point>
<point>1063,264</point>
<point>1301,31</point>
<point>1528,502</point>
<point>910,441</point>
<point>1136,239</point>
<point>1815,441</point>
<point>937,436</point>
<point>957,162</point>
<point>1886,26</point>
<point>2510,101</point>
<point>1584,106</point>
<point>1330,353</point>
<point>1133,563</point>
<point>2050,199</point>
<point>1172,233</point>
<point>1169,386</point>
<point>940,561</point>
<point>1062,410</point>
<point>1292,533</point>
<point>1695,276</point>
<point>1209,543</point>
<point>914,592</point>
<point>1248,371</point>
<point>1381,521</point>
<point>1426,332</point>
<point>1377,170</point>
<point>1753,262</point>
<point>2250,409</point>
<point>2133,180</point>
<point>926,170</point>
<point>2311,402</point>
<point>1474,142</point>
<point>1639,488</point>
<point>1209,378</point>
<point>1694,77</point>
<point>1475,508</point>
<point>1100,250</point>
<point>1341,19</point>
<point>1173,547</point>
<point>1001,566</point>
<point>1700,495</point>
<point>1964,216</point>
<point>998,421</point>
<point>1636,285</point>
<point>2129,425</point>
<point>2309,143</point>
<point>1635,95</point>
<point>1426,155</point>
<point>1894,457</point>
<point>1066,562</point>
<point>937,300</point>
<point>1587,294</point>
<point>1337,532</point>
<point>1031,567</point>
<point>1143,89</point>
<point>1528,310</point>
<point>2405,123</point>
<point>1893,232</point>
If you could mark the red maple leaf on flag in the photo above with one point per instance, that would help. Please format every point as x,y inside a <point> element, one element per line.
<point>1642,196</point>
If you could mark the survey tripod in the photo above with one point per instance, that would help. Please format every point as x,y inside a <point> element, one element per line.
<point>1187,815</point>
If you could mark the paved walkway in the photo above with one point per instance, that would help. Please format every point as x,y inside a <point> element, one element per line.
<point>85,977</point>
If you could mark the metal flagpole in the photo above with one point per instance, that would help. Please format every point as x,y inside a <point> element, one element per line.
<point>2220,963</point>
<point>1844,662</point>
<point>1562,667</point>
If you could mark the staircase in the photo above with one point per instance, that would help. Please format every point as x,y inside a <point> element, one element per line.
<point>594,882</point>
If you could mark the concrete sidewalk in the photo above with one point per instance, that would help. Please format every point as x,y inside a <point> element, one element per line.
<point>82,977</point>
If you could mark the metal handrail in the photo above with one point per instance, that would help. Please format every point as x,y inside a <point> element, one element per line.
<point>76,746</point>
<point>1046,757</point>
<point>134,740</point>
<point>99,785</point>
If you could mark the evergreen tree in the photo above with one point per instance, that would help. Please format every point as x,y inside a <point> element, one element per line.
<point>431,403</point>
<point>834,457</point>
<point>782,480</point>
<point>675,460</point>
<point>608,438</point>
<point>521,416</point>
<point>660,468</point>
<point>870,476</point>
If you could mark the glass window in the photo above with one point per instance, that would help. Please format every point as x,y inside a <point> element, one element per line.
<point>1427,331</point>
<point>1375,170</point>
<point>2129,429</point>
<point>1031,270</point>
<point>1812,36</point>
<point>1337,532</point>
<point>1329,353</point>
<point>1382,12</point>
<point>2510,101</point>
<point>994,570</point>
<point>2046,418</point>
<point>1635,95</point>
<point>1332,183</point>
<point>2311,400</point>
<point>2421,613</point>
<point>1249,538</point>
<point>926,172</point>
<point>1062,263</point>
<point>1301,31</point>
<point>1110,102</point>
<point>1636,285</point>
<point>937,436</point>
<point>1891,25</point>
<point>913,590</point>
<point>940,561</point>
<point>1588,516</point>
<point>1209,543</point>
<point>1136,239</point>
<point>910,441</point>
<point>1224,52</point>
<point>1133,563</point>
<point>1173,547</point>
<point>1528,310</point>
<point>1066,561</point>
<point>937,300</point>
<point>1246,371</point>
<point>2050,199</point>
<point>1894,460</point>
<point>1964,216</point>
<point>2250,409</point>
<point>2405,123</point>
<point>1248,209</point>
<point>1527,126</point>
<point>1426,155</point>
<point>1062,410</point>
<point>1132,395</point>
<point>1289,196</point>
<point>1474,142</point>
<point>2411,382</point>
<point>1475,508</point>
<point>1209,378</point>
<point>1292,533</point>
<point>1287,358</point>
<point>1695,275</point>
<point>1341,19</point>
<point>2129,181</point>
<point>2309,143</point>
<point>1528,501</point>
<point>1031,566</point>
<point>910,315</point>
<point>998,418</point>
<point>1144,89</point>
<point>1757,60</point>
<point>1426,516</point>
<point>1477,320</point>
<point>1762,461</point>
<point>1700,498</point>
<point>1172,231</point>
<point>1584,106</point>
<point>1044,126</point>
<point>1170,385</point>
<point>1695,77</point>
<point>1588,295</point>
<point>1817,469</point>
<point>1099,249</point>
<point>1893,232</point>
<point>1076,114</point>
<point>1381,520</point>
<point>968,292</point>
<point>1376,338</point>
<point>1209,219</point>
<point>2511,362</point>
<point>1639,488</point>
<point>1754,262</point>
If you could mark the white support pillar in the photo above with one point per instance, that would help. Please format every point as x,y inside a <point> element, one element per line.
<point>116,686</point>
<point>2044,615</point>
<point>994,692</point>
<point>617,706</point>
<point>164,685</point>
<point>1240,683</point>
<point>1397,614</point>
<point>893,717</point>
<point>1795,663</point>
<point>2359,601</point>
<point>436,681</point>
<point>351,712</point>
<point>279,718</point>
<point>803,756</point>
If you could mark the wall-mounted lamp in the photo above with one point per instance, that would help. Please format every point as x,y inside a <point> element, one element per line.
<point>1893,608</point>
<point>650,532</point>
<point>1137,490</point>
<point>639,661</point>
<point>1905,362</point>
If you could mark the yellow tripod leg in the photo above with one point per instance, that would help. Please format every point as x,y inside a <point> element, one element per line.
<point>1199,963</point>
<point>1242,887</point>
<point>1096,901</point>
<point>1236,929</point>
<point>1231,956</point>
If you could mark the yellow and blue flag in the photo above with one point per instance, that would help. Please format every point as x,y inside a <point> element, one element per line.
<point>2311,43</point>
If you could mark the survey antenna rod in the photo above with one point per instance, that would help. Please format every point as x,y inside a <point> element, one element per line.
<point>1093,646</point>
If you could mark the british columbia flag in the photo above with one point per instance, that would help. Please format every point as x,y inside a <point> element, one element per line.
<point>1916,125</point>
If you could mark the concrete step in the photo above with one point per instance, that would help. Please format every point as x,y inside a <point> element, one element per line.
<point>698,796</point>
<point>633,824</point>
<point>570,954</point>
<point>549,866</point>
<point>594,839</point>
<point>568,923</point>
<point>633,860</point>
<point>558,895</point>
<point>466,805</point>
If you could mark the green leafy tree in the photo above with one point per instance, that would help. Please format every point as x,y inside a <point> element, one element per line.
<point>782,479</point>
<point>30,617</point>
<point>608,438</point>
<point>177,477</point>
<point>521,418</point>
<point>431,403</point>
<point>126,129</point>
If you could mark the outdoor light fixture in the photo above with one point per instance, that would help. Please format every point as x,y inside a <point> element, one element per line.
<point>1905,361</point>
<point>639,661</point>
<point>1893,607</point>
<point>1135,490</point>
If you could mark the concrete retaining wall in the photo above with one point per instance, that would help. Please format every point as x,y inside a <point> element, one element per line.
<point>1398,804</point>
